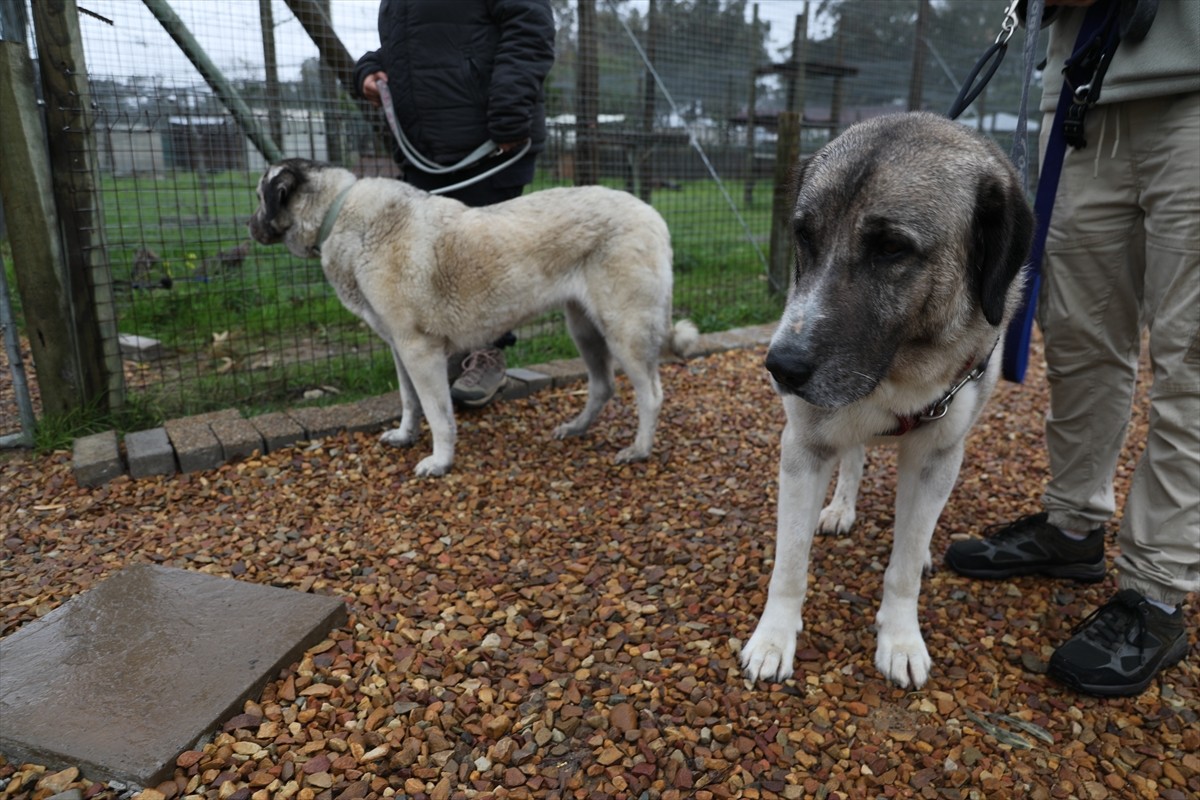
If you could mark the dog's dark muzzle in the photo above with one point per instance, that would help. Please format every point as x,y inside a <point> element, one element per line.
<point>824,379</point>
<point>262,232</point>
<point>789,368</point>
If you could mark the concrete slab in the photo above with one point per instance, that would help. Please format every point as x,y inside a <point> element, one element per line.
<point>238,437</point>
<point>149,453</point>
<point>278,430</point>
<point>139,348</point>
<point>121,679</point>
<point>96,459</point>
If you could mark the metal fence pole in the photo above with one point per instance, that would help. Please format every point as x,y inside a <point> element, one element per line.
<point>174,26</point>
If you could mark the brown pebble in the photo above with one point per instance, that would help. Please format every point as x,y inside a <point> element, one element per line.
<point>623,717</point>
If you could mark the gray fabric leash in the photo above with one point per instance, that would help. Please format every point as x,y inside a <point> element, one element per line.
<point>1033,25</point>
<point>486,150</point>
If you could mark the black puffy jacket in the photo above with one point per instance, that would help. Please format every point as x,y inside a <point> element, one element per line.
<point>464,71</point>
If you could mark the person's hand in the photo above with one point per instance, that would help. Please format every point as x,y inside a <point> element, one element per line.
<point>370,87</point>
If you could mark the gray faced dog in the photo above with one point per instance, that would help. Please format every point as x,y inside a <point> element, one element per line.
<point>911,232</point>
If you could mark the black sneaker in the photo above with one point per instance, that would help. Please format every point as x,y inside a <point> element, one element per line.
<point>1120,647</point>
<point>1029,546</point>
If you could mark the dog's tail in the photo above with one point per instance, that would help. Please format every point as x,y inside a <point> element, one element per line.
<point>682,340</point>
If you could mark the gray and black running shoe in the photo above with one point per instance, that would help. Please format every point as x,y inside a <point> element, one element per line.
<point>1029,546</point>
<point>483,375</point>
<point>1120,647</point>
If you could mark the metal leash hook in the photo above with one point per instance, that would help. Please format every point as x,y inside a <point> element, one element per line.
<point>990,59</point>
<point>942,407</point>
<point>1010,24</point>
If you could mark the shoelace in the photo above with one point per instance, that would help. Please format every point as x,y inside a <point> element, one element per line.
<point>1108,625</point>
<point>476,365</point>
<point>1004,530</point>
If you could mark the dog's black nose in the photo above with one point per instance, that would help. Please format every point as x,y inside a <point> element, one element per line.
<point>789,371</point>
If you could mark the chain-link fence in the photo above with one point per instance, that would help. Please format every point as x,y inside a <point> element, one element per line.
<point>678,102</point>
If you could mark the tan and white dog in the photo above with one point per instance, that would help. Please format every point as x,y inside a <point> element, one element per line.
<point>911,232</point>
<point>432,276</point>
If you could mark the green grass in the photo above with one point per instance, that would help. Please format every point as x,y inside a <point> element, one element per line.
<point>58,431</point>
<point>257,335</point>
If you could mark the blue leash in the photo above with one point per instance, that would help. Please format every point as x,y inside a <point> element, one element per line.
<point>1020,329</point>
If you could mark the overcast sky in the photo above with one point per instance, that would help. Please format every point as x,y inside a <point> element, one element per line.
<point>228,30</point>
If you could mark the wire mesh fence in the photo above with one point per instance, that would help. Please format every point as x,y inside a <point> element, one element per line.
<point>678,102</point>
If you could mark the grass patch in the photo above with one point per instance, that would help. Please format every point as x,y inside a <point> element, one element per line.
<point>57,431</point>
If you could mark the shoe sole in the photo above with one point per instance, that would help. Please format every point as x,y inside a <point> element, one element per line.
<point>1178,650</point>
<point>1080,573</point>
<point>480,402</point>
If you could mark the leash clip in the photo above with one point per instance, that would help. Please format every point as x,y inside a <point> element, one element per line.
<point>1010,24</point>
<point>942,407</point>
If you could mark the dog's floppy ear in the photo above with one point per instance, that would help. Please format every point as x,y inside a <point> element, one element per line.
<point>286,181</point>
<point>1001,234</point>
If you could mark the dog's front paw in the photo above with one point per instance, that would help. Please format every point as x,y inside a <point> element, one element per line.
<point>431,467</point>
<point>398,437</point>
<point>770,652</point>
<point>903,659</point>
<point>836,518</point>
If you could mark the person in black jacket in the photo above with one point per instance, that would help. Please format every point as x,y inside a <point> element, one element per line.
<point>461,74</point>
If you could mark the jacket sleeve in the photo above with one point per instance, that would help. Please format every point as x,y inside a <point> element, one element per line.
<point>369,63</point>
<point>524,56</point>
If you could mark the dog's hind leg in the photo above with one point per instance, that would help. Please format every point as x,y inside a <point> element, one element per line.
<point>598,359</point>
<point>925,477</point>
<point>803,477</point>
<point>647,390</point>
<point>640,361</point>
<point>838,517</point>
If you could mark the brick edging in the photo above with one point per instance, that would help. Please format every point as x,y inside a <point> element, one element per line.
<point>206,441</point>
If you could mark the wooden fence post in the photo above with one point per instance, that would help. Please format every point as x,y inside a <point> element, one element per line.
<point>787,154</point>
<point>587,98</point>
<point>60,319</point>
<point>751,107</point>
<point>73,168</point>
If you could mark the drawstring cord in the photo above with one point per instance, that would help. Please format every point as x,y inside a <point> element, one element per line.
<point>1100,142</point>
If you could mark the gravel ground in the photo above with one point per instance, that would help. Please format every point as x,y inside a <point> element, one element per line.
<point>541,623</point>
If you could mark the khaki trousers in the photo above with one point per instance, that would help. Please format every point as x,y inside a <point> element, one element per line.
<point>1123,255</point>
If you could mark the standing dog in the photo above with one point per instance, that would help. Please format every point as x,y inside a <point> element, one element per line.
<point>911,232</point>
<point>432,276</point>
